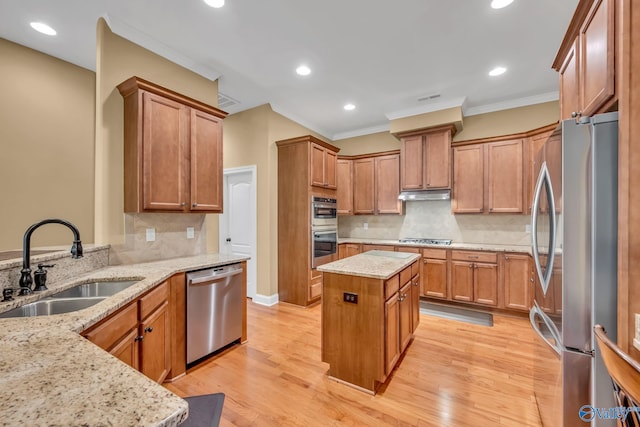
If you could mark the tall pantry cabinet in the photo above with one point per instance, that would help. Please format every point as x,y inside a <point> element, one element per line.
<point>306,168</point>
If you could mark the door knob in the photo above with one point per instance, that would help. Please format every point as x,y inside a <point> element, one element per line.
<point>228,239</point>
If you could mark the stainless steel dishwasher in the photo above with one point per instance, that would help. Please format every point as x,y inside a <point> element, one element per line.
<point>214,309</point>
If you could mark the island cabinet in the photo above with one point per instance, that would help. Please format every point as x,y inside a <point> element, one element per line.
<point>586,60</point>
<point>172,151</point>
<point>474,277</point>
<point>425,159</point>
<point>368,315</point>
<point>139,334</point>
<point>489,177</point>
<point>301,163</point>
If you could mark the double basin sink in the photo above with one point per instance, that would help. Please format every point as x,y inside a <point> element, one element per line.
<point>73,299</point>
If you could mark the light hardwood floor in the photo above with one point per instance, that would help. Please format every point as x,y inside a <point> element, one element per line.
<point>453,374</point>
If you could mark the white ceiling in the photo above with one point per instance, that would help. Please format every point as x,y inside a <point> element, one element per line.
<point>380,55</point>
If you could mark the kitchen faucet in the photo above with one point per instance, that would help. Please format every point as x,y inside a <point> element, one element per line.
<point>25,280</point>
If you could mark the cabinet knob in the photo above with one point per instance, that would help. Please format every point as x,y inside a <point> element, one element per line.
<point>138,338</point>
<point>148,329</point>
<point>470,265</point>
<point>506,257</point>
<point>183,204</point>
<point>193,205</point>
<point>574,114</point>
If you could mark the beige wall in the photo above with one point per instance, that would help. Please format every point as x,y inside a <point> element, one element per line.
<point>421,121</point>
<point>46,134</point>
<point>373,143</point>
<point>508,122</point>
<point>117,60</point>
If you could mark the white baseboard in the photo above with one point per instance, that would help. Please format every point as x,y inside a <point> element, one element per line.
<point>267,300</point>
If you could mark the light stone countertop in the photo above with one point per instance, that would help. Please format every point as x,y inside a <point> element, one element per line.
<point>374,264</point>
<point>454,245</point>
<point>50,375</point>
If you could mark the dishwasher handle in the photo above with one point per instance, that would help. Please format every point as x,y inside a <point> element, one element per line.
<point>212,278</point>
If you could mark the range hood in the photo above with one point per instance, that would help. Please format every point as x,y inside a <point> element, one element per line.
<point>425,195</point>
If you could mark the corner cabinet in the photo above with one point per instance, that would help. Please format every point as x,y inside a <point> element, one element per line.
<point>425,159</point>
<point>172,151</point>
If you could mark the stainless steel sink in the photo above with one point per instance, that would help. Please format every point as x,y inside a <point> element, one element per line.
<point>49,306</point>
<point>95,289</point>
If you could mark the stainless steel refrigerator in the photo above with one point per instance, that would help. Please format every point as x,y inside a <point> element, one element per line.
<point>574,244</point>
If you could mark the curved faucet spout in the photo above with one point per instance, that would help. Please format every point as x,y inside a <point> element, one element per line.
<point>76,250</point>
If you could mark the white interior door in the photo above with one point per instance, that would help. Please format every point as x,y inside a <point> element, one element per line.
<point>238,223</point>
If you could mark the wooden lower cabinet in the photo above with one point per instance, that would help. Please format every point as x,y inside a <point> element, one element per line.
<point>415,302</point>
<point>474,277</point>
<point>406,328</point>
<point>517,282</point>
<point>139,334</point>
<point>391,332</point>
<point>346,250</point>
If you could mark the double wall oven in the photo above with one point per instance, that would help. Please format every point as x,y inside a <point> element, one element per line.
<point>324,230</point>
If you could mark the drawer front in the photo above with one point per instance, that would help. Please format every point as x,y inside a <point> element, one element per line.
<point>434,253</point>
<point>415,268</point>
<point>153,299</point>
<point>315,287</point>
<point>472,256</point>
<point>391,286</point>
<point>110,331</point>
<point>405,276</point>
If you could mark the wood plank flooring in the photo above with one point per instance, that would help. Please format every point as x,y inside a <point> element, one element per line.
<point>453,374</point>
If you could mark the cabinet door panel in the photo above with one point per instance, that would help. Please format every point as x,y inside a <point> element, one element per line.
<point>468,179</point>
<point>155,347</point>
<point>415,302</point>
<point>165,153</point>
<point>517,282</point>
<point>363,190</point>
<point>330,172</point>
<point>392,337</point>
<point>344,193</point>
<point>434,278</point>
<point>317,165</point>
<point>127,349</point>
<point>412,156</point>
<point>462,281</point>
<point>438,159</point>
<point>405,315</point>
<point>485,286</point>
<point>206,162</point>
<point>111,330</point>
<point>387,184</point>
<point>569,80</point>
<point>505,176</point>
<point>597,57</point>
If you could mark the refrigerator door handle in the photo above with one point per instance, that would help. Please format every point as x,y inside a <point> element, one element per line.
<point>535,311</point>
<point>543,178</point>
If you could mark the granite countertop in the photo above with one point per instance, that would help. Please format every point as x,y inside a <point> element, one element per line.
<point>454,245</point>
<point>374,264</point>
<point>50,375</point>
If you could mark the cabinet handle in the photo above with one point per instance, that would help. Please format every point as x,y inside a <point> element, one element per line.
<point>193,205</point>
<point>470,265</point>
<point>138,338</point>
<point>148,329</point>
<point>574,114</point>
<point>506,257</point>
<point>183,204</point>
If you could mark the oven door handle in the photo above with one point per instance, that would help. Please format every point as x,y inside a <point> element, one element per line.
<point>319,233</point>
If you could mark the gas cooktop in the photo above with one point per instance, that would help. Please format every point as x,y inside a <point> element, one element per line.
<point>424,241</point>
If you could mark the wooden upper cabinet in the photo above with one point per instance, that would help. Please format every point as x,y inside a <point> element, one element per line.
<point>363,186</point>
<point>344,193</point>
<point>505,176</point>
<point>489,178</point>
<point>586,60</point>
<point>426,160</point>
<point>172,151</point>
<point>387,184</point>
<point>468,179</point>
<point>323,167</point>
<point>206,162</point>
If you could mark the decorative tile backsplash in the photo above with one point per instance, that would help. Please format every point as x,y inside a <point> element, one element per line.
<point>170,238</point>
<point>434,219</point>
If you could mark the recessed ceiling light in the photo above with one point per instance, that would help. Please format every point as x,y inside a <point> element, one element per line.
<point>499,4</point>
<point>349,107</point>
<point>43,28</point>
<point>497,71</point>
<point>215,3</point>
<point>303,70</point>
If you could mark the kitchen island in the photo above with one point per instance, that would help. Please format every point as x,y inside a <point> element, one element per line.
<point>51,375</point>
<point>370,308</point>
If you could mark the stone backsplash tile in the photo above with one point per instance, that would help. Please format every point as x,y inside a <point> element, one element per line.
<point>171,238</point>
<point>434,219</point>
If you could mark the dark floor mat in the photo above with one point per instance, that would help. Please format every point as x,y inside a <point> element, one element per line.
<point>456,313</point>
<point>204,411</point>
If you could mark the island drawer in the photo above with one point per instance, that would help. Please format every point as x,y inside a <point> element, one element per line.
<point>405,276</point>
<point>391,286</point>
<point>491,257</point>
